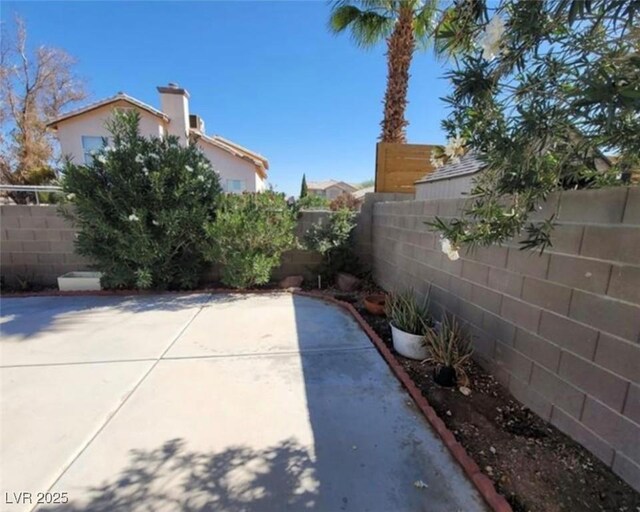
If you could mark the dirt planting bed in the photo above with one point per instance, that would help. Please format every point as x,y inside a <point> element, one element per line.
<point>532,464</point>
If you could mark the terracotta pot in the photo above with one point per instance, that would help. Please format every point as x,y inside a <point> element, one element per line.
<point>374,303</point>
<point>346,282</point>
<point>291,282</point>
<point>407,344</point>
<point>445,376</point>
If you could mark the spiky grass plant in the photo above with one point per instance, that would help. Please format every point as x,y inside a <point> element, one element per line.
<point>405,313</point>
<point>449,346</point>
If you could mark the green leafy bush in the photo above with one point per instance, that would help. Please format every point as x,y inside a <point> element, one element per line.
<point>249,235</point>
<point>312,201</point>
<point>141,206</point>
<point>332,239</point>
<point>540,90</point>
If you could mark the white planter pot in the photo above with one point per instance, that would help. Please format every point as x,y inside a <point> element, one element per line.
<point>408,345</point>
<point>79,281</point>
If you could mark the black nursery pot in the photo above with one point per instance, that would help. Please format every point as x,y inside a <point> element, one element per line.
<point>445,376</point>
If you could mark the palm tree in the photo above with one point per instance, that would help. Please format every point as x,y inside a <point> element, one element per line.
<point>404,24</point>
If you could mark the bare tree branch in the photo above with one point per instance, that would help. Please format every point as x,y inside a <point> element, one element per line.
<point>34,88</point>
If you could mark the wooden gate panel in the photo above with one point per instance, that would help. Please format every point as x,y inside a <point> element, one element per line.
<point>399,166</point>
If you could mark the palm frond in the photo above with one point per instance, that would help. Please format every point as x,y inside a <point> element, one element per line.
<point>368,27</point>
<point>343,16</point>
<point>424,24</point>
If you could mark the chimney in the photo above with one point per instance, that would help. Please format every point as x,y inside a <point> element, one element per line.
<point>174,101</point>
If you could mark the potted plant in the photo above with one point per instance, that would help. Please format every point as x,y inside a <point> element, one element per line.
<point>449,349</point>
<point>375,303</point>
<point>409,323</point>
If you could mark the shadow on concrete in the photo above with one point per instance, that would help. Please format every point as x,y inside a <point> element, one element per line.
<point>22,318</point>
<point>370,443</point>
<point>238,479</point>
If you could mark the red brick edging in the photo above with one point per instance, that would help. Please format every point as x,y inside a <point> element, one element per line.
<point>485,487</point>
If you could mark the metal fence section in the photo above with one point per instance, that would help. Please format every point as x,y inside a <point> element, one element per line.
<point>35,189</point>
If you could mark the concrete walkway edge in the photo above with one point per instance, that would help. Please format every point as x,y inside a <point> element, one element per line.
<point>482,483</point>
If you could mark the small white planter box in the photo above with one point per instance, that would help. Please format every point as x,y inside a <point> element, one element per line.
<point>79,281</point>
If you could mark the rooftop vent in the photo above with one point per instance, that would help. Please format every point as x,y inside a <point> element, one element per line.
<point>196,123</point>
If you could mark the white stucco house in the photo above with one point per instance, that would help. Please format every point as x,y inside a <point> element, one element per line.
<point>83,130</point>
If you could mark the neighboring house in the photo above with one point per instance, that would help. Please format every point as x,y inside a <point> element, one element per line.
<point>450,180</point>
<point>83,130</point>
<point>456,180</point>
<point>330,189</point>
<point>361,192</point>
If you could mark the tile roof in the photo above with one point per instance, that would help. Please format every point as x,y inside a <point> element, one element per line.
<point>237,146</point>
<point>112,99</point>
<point>470,163</point>
<point>361,192</point>
<point>320,185</point>
<point>323,185</point>
<point>261,163</point>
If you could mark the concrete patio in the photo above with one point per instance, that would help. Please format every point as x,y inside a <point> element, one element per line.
<point>210,402</point>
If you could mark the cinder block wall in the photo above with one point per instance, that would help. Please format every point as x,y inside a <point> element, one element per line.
<point>561,330</point>
<point>300,261</point>
<point>37,245</point>
<point>363,232</point>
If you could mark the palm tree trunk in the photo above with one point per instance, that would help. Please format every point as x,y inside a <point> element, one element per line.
<point>400,47</point>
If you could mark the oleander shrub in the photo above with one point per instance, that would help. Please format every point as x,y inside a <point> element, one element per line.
<point>332,238</point>
<point>141,207</point>
<point>249,235</point>
<point>541,90</point>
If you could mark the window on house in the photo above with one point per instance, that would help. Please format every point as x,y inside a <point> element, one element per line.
<point>90,144</point>
<point>236,186</point>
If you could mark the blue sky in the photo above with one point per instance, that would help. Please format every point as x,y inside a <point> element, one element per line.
<point>267,75</point>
